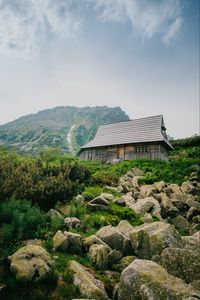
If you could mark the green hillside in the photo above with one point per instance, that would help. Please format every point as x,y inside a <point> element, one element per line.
<point>50,128</point>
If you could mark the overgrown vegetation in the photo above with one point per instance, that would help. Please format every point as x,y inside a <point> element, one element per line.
<point>41,181</point>
<point>170,171</point>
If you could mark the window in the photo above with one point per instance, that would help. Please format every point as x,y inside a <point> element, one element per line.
<point>100,151</point>
<point>141,149</point>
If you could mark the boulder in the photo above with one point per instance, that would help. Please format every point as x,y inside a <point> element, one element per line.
<point>67,241</point>
<point>116,237</point>
<point>196,219</point>
<point>75,242</point>
<point>190,201</point>
<point>72,223</point>
<point>196,235</point>
<point>144,279</point>
<point>89,286</point>
<point>111,236</point>
<point>30,263</point>
<point>113,257</point>
<point>147,218</point>
<point>194,177</point>
<point>126,186</point>
<point>54,214</point>
<point>137,172</point>
<point>145,205</point>
<point>99,200</point>
<point>181,223</point>
<point>147,190</point>
<point>79,199</point>
<point>98,256</point>
<point>134,181</point>
<point>125,228</point>
<point>175,188</point>
<point>127,199</point>
<point>93,240</point>
<point>60,241</point>
<point>181,263</point>
<point>192,212</point>
<point>167,208</point>
<point>96,207</point>
<point>123,263</point>
<point>192,243</point>
<point>111,279</point>
<point>150,239</point>
<point>98,203</point>
<point>187,187</point>
<point>160,186</point>
<point>107,196</point>
<point>35,242</point>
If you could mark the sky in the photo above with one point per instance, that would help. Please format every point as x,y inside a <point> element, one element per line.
<point>141,55</point>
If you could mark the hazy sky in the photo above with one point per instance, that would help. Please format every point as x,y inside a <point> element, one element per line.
<point>141,55</point>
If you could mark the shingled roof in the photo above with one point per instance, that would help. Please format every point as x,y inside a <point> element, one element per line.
<point>134,131</point>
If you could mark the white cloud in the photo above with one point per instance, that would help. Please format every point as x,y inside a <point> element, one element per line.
<point>25,23</point>
<point>147,17</point>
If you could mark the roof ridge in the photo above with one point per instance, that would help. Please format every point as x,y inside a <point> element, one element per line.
<point>127,121</point>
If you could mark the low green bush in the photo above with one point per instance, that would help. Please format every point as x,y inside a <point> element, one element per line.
<point>77,210</point>
<point>20,220</point>
<point>91,192</point>
<point>42,181</point>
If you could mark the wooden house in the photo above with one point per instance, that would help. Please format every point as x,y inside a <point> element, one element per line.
<point>143,138</point>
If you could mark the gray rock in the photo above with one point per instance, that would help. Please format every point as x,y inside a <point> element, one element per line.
<point>99,200</point>
<point>135,180</point>
<point>192,243</point>
<point>116,237</point>
<point>30,263</point>
<point>175,188</point>
<point>150,239</point>
<point>98,256</point>
<point>72,223</point>
<point>89,286</point>
<point>96,207</point>
<point>107,196</point>
<point>187,187</point>
<point>113,257</point>
<point>147,190</point>
<point>67,241</point>
<point>167,208</point>
<point>93,240</point>
<point>123,263</point>
<point>137,172</point>
<point>160,185</point>
<point>127,199</point>
<point>148,204</point>
<point>192,212</point>
<point>60,241</point>
<point>181,223</point>
<point>147,218</point>
<point>181,263</point>
<point>79,199</point>
<point>75,242</point>
<point>54,214</point>
<point>144,279</point>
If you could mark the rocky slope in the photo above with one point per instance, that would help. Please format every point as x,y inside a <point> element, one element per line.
<point>51,127</point>
<point>159,259</point>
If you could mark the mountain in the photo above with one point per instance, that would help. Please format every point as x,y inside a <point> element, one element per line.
<point>65,127</point>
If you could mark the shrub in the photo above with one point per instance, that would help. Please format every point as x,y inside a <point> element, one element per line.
<point>77,210</point>
<point>92,192</point>
<point>125,213</point>
<point>19,220</point>
<point>42,182</point>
